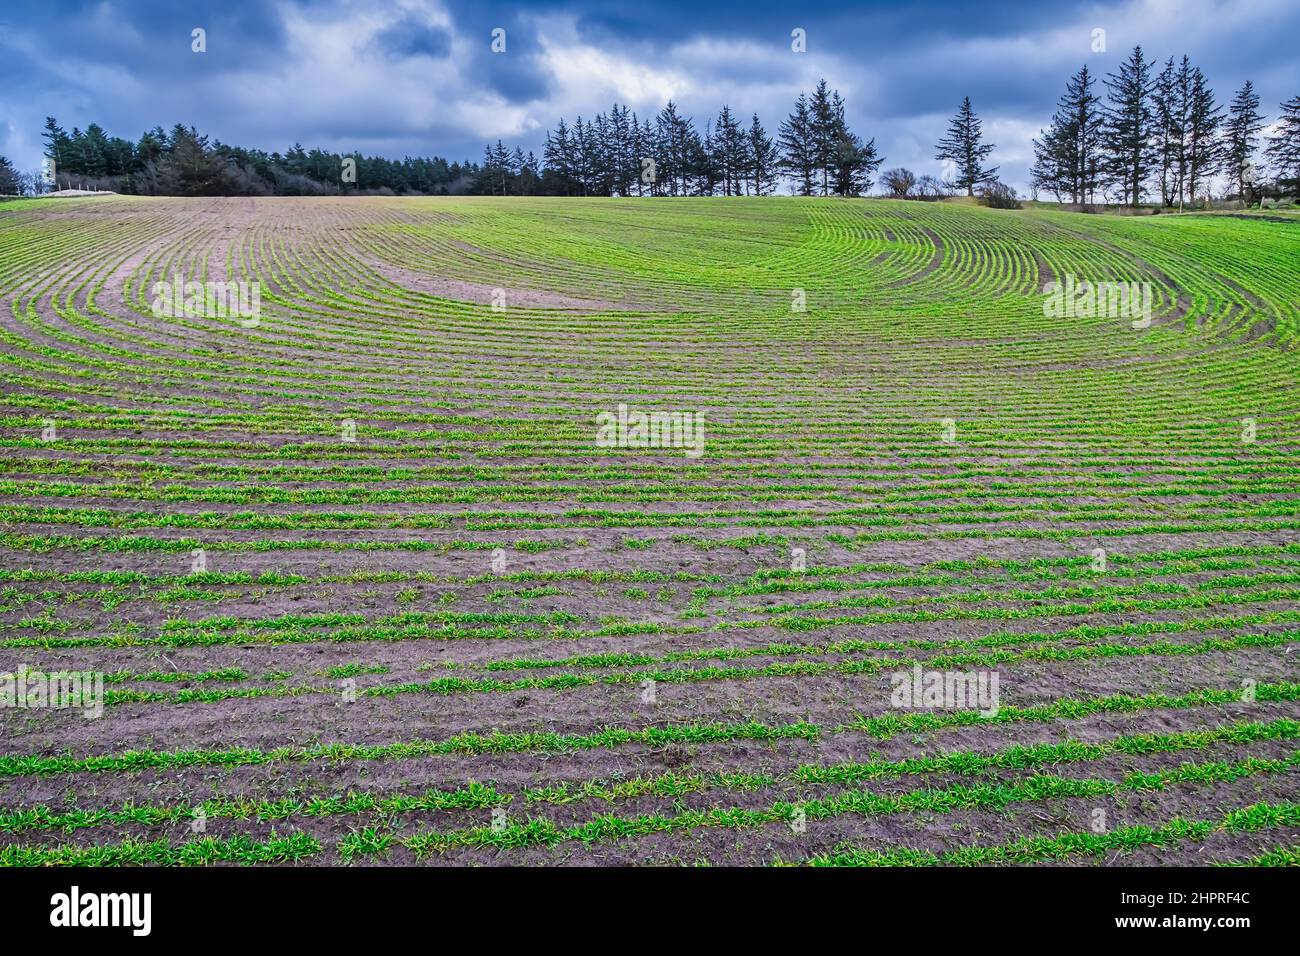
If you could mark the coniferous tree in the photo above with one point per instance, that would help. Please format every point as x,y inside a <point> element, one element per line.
<point>95,152</point>
<point>152,144</point>
<point>57,142</point>
<point>664,150</point>
<point>1283,148</point>
<point>710,166</point>
<point>635,150</point>
<point>490,176</point>
<point>581,158</point>
<point>181,161</point>
<point>1243,126</point>
<point>1129,126</point>
<point>962,146</point>
<point>1179,112</point>
<point>521,172</point>
<point>602,156</point>
<point>1067,156</point>
<point>1050,169</point>
<point>557,154</point>
<point>825,132</point>
<point>1203,147</point>
<point>674,153</point>
<point>763,159</point>
<point>798,146</point>
<point>854,162</point>
<point>690,159</point>
<point>1166,107</point>
<point>729,148</point>
<point>1086,127</point>
<point>649,150</point>
<point>619,151</point>
<point>701,178</point>
<point>10,185</point>
<point>501,164</point>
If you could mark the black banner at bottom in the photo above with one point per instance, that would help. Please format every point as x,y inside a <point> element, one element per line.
<point>300,905</point>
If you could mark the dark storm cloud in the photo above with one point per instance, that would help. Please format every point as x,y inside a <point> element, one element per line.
<point>414,77</point>
<point>150,39</point>
<point>409,37</point>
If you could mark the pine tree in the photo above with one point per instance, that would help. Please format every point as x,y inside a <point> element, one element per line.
<point>1244,124</point>
<point>1050,169</point>
<point>690,152</point>
<point>1086,127</point>
<point>763,158</point>
<point>635,150</point>
<point>1067,157</point>
<point>558,157</point>
<point>150,147</point>
<point>729,150</point>
<point>853,163</point>
<point>57,145</point>
<point>1204,149</point>
<point>602,156</point>
<point>649,150</point>
<point>825,133</point>
<point>961,145</point>
<point>489,175</point>
<point>581,157</point>
<point>618,152</point>
<point>519,169</point>
<point>9,182</point>
<point>673,135</point>
<point>699,182</point>
<point>1164,104</point>
<point>1180,106</point>
<point>798,147</point>
<point>665,148</point>
<point>1284,146</point>
<point>501,165</point>
<point>1129,125</point>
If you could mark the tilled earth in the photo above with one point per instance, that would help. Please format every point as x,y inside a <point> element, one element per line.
<point>363,588</point>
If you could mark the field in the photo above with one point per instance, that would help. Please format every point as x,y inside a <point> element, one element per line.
<point>365,587</point>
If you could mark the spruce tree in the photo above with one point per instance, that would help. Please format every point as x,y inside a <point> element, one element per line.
<point>10,185</point>
<point>1203,146</point>
<point>1129,125</point>
<point>825,133</point>
<point>798,148</point>
<point>1067,157</point>
<point>1243,126</point>
<point>962,145</point>
<point>763,158</point>
<point>1164,103</point>
<point>1284,146</point>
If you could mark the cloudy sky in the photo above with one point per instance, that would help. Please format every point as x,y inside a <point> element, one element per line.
<point>418,77</point>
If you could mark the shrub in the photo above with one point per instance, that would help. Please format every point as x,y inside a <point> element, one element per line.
<point>998,195</point>
<point>930,188</point>
<point>900,182</point>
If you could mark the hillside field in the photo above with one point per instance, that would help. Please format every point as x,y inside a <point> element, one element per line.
<point>368,585</point>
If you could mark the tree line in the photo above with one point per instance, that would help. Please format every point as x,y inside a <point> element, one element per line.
<point>1163,136</point>
<point>620,154</point>
<point>614,153</point>
<point>182,162</point>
